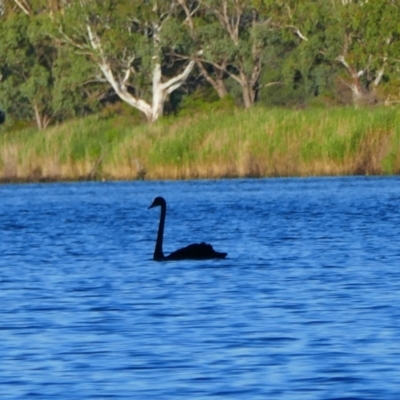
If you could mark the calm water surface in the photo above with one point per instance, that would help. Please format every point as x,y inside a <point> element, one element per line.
<point>306,306</point>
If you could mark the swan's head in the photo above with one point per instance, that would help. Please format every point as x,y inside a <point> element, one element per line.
<point>158,202</point>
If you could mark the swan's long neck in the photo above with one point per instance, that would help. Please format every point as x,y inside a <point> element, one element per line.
<point>158,251</point>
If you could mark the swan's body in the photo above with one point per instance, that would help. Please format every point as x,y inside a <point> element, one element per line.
<point>196,251</point>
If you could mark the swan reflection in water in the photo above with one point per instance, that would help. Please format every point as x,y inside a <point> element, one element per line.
<point>195,251</point>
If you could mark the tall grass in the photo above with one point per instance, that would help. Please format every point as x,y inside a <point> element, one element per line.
<point>222,143</point>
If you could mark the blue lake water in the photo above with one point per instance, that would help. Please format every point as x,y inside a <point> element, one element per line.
<point>306,306</point>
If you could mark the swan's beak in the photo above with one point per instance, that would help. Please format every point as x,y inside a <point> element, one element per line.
<point>157,202</point>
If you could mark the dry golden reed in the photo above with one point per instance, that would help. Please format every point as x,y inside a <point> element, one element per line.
<point>224,144</point>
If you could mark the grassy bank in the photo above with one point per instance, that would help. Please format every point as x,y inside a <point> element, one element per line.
<point>223,143</point>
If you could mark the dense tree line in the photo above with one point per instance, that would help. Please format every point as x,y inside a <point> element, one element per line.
<point>65,58</point>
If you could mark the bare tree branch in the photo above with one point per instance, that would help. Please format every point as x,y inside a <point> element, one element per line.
<point>24,6</point>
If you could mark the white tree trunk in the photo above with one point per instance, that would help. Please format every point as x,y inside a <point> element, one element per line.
<point>361,95</point>
<point>42,120</point>
<point>160,89</point>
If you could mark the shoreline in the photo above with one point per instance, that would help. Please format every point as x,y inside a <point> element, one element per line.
<point>30,180</point>
<point>229,144</point>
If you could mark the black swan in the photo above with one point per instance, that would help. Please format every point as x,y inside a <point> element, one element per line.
<point>196,251</point>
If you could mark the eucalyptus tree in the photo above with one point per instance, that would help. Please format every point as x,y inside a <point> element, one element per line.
<point>25,59</point>
<point>33,67</point>
<point>359,38</point>
<point>140,47</point>
<point>303,66</point>
<point>204,30</point>
<point>364,36</point>
<point>234,42</point>
<point>237,38</point>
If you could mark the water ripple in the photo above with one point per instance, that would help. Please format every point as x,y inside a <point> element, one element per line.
<point>304,307</point>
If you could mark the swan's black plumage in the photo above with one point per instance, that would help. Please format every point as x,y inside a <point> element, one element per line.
<point>196,251</point>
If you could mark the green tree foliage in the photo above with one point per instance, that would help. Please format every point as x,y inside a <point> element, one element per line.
<point>235,38</point>
<point>39,79</point>
<point>137,46</point>
<point>357,39</point>
<point>62,58</point>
